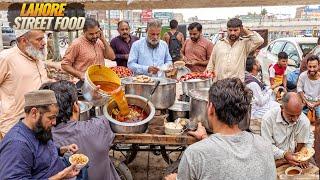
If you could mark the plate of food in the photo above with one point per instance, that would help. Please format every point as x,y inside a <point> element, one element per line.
<point>304,154</point>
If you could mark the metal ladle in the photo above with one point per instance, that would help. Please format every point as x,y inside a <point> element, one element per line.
<point>152,91</point>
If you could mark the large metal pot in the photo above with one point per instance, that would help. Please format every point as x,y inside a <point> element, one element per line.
<point>179,110</point>
<point>195,84</point>
<point>127,128</point>
<point>163,97</point>
<point>84,110</point>
<point>198,110</point>
<point>198,107</point>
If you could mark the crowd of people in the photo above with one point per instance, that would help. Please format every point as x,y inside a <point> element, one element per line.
<point>39,120</point>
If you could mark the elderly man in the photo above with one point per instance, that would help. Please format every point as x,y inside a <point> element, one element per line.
<point>229,55</point>
<point>121,44</point>
<point>288,130</point>
<point>150,54</point>
<point>309,85</point>
<point>27,151</point>
<point>89,49</point>
<point>94,137</point>
<point>21,71</point>
<point>230,153</point>
<point>196,50</point>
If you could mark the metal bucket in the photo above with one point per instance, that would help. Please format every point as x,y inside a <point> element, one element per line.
<point>195,84</point>
<point>179,110</point>
<point>98,73</point>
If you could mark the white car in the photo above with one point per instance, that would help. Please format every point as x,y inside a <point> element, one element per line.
<point>295,47</point>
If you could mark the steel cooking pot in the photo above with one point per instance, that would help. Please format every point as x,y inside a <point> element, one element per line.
<point>84,110</point>
<point>163,97</point>
<point>135,127</point>
<point>195,84</point>
<point>179,110</point>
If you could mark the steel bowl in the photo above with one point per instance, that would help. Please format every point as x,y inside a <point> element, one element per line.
<point>163,97</point>
<point>195,84</point>
<point>127,128</point>
<point>84,110</point>
<point>179,110</point>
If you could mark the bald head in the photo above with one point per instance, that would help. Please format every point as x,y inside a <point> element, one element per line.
<point>292,106</point>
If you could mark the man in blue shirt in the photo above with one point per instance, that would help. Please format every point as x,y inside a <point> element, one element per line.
<point>150,54</point>
<point>27,151</point>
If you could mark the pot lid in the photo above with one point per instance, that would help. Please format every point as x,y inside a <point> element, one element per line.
<point>200,94</point>
<point>180,106</point>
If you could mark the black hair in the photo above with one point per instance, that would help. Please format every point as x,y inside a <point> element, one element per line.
<point>42,108</point>
<point>251,61</point>
<point>66,95</point>
<point>318,42</point>
<point>282,55</point>
<point>231,100</point>
<point>234,23</point>
<point>123,21</point>
<point>90,23</point>
<point>173,24</point>
<point>313,58</point>
<point>195,25</point>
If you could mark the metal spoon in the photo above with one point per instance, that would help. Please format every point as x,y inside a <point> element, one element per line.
<point>157,82</point>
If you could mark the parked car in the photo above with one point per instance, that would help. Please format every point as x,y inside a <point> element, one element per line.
<point>295,47</point>
<point>8,37</point>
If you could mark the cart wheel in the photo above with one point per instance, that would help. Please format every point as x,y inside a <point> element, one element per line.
<point>129,152</point>
<point>172,168</point>
<point>172,154</point>
<point>122,170</point>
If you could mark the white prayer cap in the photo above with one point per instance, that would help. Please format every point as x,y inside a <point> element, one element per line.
<point>21,32</point>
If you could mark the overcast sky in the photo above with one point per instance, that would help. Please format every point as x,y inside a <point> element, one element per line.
<point>224,13</point>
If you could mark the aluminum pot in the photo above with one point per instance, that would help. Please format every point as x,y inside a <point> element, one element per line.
<point>127,128</point>
<point>84,110</point>
<point>179,110</point>
<point>195,84</point>
<point>198,107</point>
<point>163,97</point>
<point>198,110</point>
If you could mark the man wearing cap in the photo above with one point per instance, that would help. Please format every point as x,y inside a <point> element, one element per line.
<point>21,71</point>
<point>27,151</point>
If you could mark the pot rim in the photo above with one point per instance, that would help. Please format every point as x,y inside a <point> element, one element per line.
<point>176,109</point>
<point>89,106</point>
<point>192,91</point>
<point>129,81</point>
<point>146,120</point>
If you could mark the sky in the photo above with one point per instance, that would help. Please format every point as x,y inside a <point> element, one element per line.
<point>224,13</point>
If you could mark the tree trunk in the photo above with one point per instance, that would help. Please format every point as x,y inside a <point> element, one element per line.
<point>56,54</point>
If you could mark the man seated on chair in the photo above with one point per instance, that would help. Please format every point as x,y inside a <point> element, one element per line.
<point>288,129</point>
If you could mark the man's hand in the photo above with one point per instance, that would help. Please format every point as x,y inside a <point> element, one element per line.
<point>126,56</point>
<point>153,70</point>
<point>73,148</point>
<point>101,37</point>
<point>200,133</point>
<point>310,105</point>
<point>171,177</point>
<point>304,164</point>
<point>289,156</point>
<point>68,172</point>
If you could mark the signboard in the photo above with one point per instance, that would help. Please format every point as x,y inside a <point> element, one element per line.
<point>146,15</point>
<point>163,15</point>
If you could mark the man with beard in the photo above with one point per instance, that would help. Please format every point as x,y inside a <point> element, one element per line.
<point>89,49</point>
<point>308,85</point>
<point>288,129</point>
<point>27,151</point>
<point>121,44</point>
<point>229,55</point>
<point>93,136</point>
<point>21,70</point>
<point>150,54</point>
<point>196,50</point>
